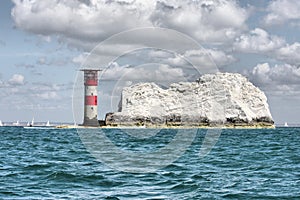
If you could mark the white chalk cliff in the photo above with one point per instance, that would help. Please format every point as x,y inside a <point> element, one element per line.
<point>213,99</point>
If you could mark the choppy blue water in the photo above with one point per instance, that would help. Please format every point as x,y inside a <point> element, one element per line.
<point>244,164</point>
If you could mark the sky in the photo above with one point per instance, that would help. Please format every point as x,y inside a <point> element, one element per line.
<point>43,44</point>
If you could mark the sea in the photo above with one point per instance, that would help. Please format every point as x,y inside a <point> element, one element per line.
<point>66,164</point>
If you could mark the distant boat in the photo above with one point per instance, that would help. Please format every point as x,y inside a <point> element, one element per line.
<point>1,123</point>
<point>16,123</point>
<point>32,122</point>
<point>286,124</point>
<point>48,123</point>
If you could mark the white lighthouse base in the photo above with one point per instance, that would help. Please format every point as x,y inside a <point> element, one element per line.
<point>91,122</point>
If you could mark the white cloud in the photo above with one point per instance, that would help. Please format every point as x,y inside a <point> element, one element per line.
<point>48,95</point>
<point>144,73</point>
<point>258,41</point>
<point>158,53</point>
<point>41,87</point>
<point>74,20</point>
<point>278,77</point>
<point>83,24</point>
<point>2,83</point>
<point>261,73</point>
<point>204,60</point>
<point>261,42</point>
<point>41,61</point>
<point>210,57</point>
<point>200,58</point>
<point>168,73</point>
<point>49,91</point>
<point>161,56</point>
<point>207,21</point>
<point>290,53</point>
<point>280,11</point>
<point>80,58</point>
<point>178,60</point>
<point>17,79</point>
<point>57,61</point>
<point>115,71</point>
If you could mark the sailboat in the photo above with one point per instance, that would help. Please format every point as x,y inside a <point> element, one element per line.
<point>1,123</point>
<point>16,123</point>
<point>32,122</point>
<point>286,124</point>
<point>41,126</point>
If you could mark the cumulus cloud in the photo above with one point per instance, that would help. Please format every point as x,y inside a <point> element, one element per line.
<point>85,23</point>
<point>16,79</point>
<point>200,57</point>
<point>40,92</point>
<point>210,57</point>
<point>280,11</point>
<point>282,77</point>
<point>258,41</point>
<point>290,53</point>
<point>2,84</point>
<point>80,58</point>
<point>208,21</point>
<point>151,72</point>
<point>76,22</point>
<point>158,56</point>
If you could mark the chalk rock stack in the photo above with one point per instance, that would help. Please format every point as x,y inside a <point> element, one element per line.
<point>221,99</point>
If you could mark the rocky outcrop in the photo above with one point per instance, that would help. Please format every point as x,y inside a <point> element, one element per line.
<point>224,99</point>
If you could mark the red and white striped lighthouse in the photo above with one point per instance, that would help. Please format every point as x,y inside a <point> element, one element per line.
<point>90,97</point>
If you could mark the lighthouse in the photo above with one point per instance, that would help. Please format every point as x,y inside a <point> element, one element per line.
<point>90,97</point>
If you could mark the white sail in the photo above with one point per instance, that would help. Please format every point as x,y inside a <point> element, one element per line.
<point>16,123</point>
<point>1,123</point>
<point>48,123</point>
<point>286,124</point>
<point>32,122</point>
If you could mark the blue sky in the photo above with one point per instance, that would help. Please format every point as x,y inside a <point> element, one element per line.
<point>44,43</point>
